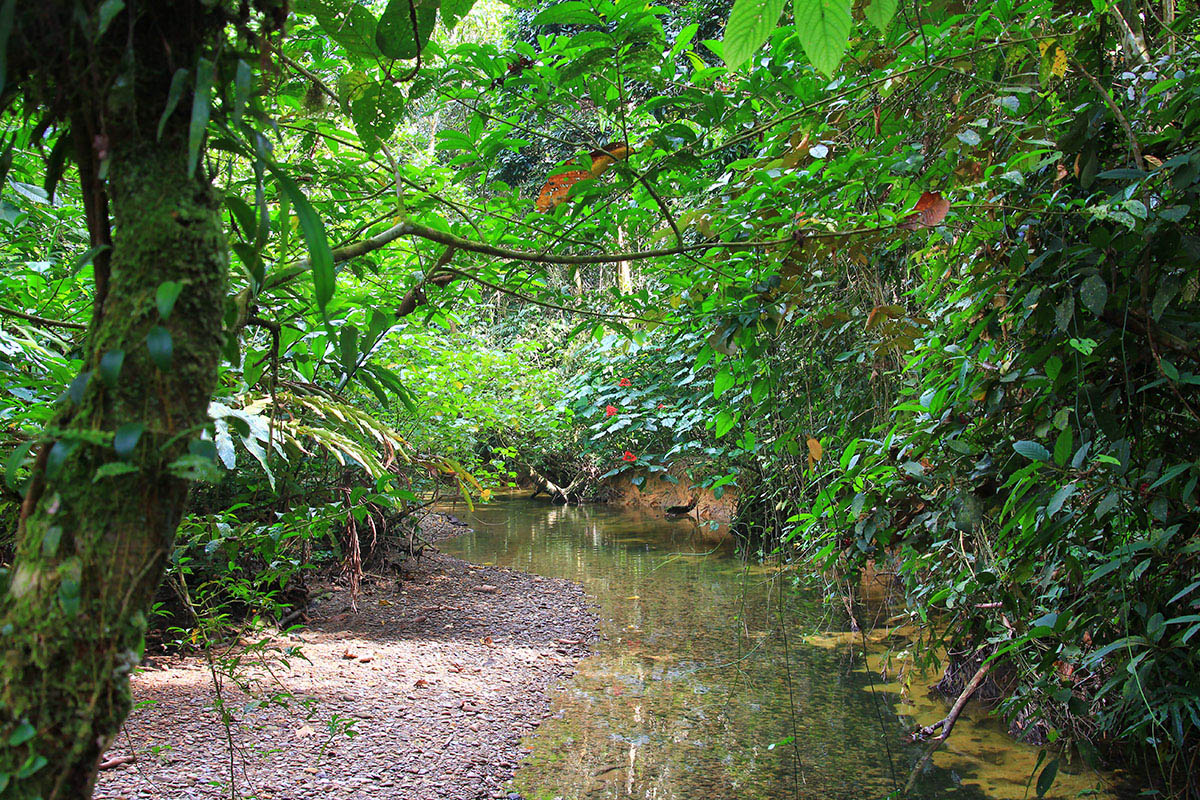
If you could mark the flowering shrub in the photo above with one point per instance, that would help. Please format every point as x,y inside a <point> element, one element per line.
<point>659,415</point>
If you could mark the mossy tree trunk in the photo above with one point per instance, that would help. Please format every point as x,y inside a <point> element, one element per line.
<point>98,525</point>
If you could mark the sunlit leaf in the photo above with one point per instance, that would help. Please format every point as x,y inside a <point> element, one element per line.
<point>750,25</point>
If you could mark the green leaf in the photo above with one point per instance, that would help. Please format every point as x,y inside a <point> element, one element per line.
<point>158,341</point>
<point>395,36</point>
<point>348,344</point>
<point>178,82</point>
<point>723,423</point>
<point>722,382</point>
<point>1170,475</point>
<point>823,27</point>
<point>112,469</point>
<point>243,213</point>
<point>21,734</point>
<point>108,10</point>
<point>454,10</point>
<point>241,89</point>
<point>165,297</point>
<point>1046,779</point>
<point>375,108</point>
<point>201,109</point>
<point>1032,450</point>
<point>59,453</point>
<point>569,13</point>
<point>126,438</point>
<point>1056,501</point>
<point>1093,293</point>
<point>110,367</point>
<point>68,596</point>
<point>880,12</point>
<point>365,378</point>
<point>14,461</point>
<point>86,259</point>
<point>78,386</point>
<point>1063,447</point>
<point>969,137</point>
<point>319,253</point>
<point>751,23</point>
<point>392,381</point>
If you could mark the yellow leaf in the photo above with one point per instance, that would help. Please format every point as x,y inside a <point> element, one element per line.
<point>814,449</point>
<point>1059,68</point>
<point>1044,45</point>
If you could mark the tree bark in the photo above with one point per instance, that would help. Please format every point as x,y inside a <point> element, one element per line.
<point>91,549</point>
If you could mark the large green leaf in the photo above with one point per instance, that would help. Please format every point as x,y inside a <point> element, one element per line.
<point>375,108</point>
<point>201,108</point>
<point>1032,450</point>
<point>750,25</point>
<point>880,12</point>
<point>352,27</point>
<point>319,252</point>
<point>395,36</point>
<point>454,10</point>
<point>824,30</point>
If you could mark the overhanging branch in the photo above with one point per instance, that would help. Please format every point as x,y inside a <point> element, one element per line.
<point>42,321</point>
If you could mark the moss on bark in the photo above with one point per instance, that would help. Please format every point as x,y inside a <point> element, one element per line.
<point>92,551</point>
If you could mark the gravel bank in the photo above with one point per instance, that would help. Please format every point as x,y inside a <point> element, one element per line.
<point>441,672</point>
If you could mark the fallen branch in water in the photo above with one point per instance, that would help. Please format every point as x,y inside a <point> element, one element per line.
<point>945,725</point>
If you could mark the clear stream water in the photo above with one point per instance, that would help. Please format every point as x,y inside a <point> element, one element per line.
<point>716,678</point>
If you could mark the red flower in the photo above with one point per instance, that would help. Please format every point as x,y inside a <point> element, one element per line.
<point>610,410</point>
<point>662,405</point>
<point>628,456</point>
<point>625,382</point>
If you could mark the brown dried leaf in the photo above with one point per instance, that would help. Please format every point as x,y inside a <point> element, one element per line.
<point>929,211</point>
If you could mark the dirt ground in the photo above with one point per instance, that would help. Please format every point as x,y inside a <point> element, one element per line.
<point>436,678</point>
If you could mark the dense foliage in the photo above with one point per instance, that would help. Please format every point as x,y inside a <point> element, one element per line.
<point>918,282</point>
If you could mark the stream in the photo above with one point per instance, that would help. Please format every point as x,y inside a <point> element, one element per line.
<point>717,678</point>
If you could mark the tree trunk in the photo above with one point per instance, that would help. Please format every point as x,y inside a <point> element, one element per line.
<point>95,535</point>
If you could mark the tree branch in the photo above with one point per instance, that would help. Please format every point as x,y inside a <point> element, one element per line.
<point>42,321</point>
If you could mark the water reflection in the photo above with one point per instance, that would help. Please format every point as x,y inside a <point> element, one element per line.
<point>707,683</point>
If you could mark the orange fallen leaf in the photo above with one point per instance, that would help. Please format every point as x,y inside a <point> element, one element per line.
<point>558,186</point>
<point>929,211</point>
<point>556,189</point>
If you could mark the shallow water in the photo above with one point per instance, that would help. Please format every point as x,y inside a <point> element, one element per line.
<point>715,678</point>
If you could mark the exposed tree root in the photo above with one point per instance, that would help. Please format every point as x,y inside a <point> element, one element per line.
<point>565,494</point>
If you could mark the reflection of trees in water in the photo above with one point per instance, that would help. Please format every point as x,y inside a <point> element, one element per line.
<point>689,692</point>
